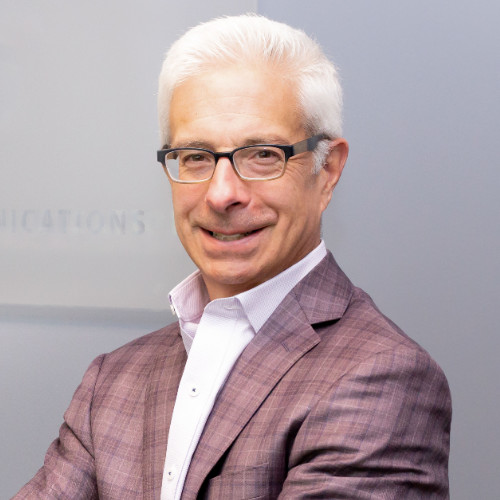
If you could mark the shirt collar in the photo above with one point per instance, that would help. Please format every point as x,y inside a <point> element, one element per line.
<point>258,309</point>
<point>190,297</point>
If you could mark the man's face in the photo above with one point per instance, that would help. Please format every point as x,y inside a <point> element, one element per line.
<point>242,233</point>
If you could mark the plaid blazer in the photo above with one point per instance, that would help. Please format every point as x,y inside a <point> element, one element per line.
<point>329,400</point>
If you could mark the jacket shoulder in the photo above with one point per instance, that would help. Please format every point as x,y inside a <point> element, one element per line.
<point>132,363</point>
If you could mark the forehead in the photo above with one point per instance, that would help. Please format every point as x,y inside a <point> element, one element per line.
<point>230,103</point>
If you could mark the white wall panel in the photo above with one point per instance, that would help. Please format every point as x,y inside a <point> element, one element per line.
<point>85,215</point>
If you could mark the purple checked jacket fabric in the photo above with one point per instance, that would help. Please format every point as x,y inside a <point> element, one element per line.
<point>329,400</point>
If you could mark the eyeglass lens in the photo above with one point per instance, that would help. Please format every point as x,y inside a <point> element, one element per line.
<point>253,162</point>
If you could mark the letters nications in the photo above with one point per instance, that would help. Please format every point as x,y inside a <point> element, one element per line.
<point>70,221</point>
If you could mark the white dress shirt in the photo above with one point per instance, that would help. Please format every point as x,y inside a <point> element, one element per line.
<point>214,335</point>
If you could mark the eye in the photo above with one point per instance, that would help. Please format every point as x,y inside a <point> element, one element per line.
<point>265,155</point>
<point>194,158</point>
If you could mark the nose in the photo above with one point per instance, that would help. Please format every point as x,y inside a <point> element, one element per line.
<point>226,190</point>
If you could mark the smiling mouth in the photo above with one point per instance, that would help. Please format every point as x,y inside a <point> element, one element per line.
<point>230,237</point>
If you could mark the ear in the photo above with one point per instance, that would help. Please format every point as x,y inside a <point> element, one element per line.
<point>332,169</point>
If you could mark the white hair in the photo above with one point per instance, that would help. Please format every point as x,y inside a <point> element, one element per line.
<point>254,39</point>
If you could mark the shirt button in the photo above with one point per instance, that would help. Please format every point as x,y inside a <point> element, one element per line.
<point>194,392</point>
<point>171,474</point>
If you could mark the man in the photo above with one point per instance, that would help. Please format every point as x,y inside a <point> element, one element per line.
<point>281,379</point>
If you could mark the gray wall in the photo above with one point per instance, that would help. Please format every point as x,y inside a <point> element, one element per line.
<point>87,250</point>
<point>416,217</point>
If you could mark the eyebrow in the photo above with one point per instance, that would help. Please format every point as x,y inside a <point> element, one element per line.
<point>192,144</point>
<point>250,141</point>
<point>274,139</point>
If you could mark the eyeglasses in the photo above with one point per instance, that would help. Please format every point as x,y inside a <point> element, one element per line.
<point>261,162</point>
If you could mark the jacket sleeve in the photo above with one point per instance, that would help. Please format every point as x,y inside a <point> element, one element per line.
<point>380,432</point>
<point>69,470</point>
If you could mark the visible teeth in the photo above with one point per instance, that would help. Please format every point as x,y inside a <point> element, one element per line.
<point>229,237</point>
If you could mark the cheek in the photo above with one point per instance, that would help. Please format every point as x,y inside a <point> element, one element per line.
<point>297,197</point>
<point>184,200</point>
<point>300,210</point>
<point>181,215</point>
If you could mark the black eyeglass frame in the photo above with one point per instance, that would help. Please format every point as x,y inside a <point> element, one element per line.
<point>303,146</point>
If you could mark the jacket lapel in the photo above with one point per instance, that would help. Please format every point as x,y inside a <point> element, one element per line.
<point>282,341</point>
<point>164,378</point>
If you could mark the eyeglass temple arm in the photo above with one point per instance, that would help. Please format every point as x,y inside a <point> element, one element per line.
<point>308,144</point>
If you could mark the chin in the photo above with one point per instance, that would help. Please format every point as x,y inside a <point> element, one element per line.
<point>232,280</point>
